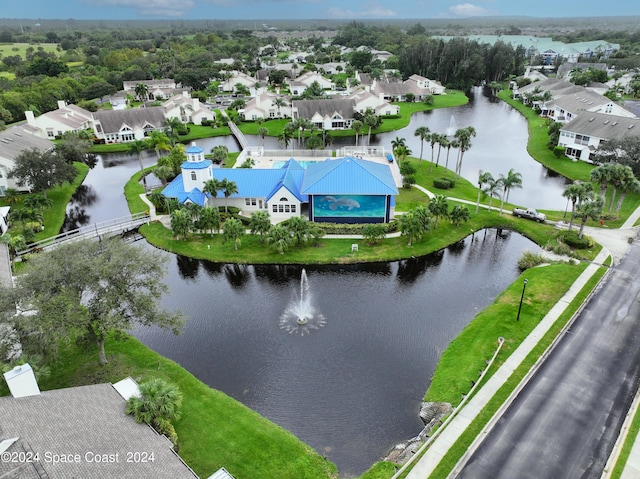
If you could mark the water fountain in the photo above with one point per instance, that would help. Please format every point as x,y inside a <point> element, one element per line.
<point>300,316</point>
<point>453,126</point>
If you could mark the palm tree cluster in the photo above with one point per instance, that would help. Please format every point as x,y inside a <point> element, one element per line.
<point>461,139</point>
<point>418,221</point>
<point>491,186</point>
<point>30,215</point>
<point>620,178</point>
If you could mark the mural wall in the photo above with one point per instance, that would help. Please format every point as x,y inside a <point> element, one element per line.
<point>349,208</point>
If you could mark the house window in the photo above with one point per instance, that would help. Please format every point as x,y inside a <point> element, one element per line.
<point>293,208</point>
<point>280,208</point>
<point>275,208</point>
<point>253,201</point>
<point>247,201</point>
<point>286,209</point>
<point>50,133</point>
<point>194,177</point>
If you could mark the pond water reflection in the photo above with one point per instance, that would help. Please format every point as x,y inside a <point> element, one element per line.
<point>352,388</point>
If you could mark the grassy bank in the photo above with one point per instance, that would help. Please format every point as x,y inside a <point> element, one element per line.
<point>214,429</point>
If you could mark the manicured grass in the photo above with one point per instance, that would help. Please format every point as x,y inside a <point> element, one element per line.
<point>214,429</point>
<point>634,430</point>
<point>462,445</point>
<point>59,196</point>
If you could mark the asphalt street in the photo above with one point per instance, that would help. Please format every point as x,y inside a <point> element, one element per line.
<point>564,423</point>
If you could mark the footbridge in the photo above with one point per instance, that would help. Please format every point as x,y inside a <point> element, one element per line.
<point>105,229</point>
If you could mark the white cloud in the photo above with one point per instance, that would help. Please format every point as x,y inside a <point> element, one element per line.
<point>164,8</point>
<point>369,11</point>
<point>470,10</point>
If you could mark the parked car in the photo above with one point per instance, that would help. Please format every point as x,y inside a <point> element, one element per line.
<point>530,214</point>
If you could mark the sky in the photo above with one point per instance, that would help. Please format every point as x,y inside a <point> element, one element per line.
<point>308,9</point>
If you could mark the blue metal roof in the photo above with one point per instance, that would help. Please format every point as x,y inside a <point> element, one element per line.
<point>196,165</point>
<point>173,189</point>
<point>348,176</point>
<point>196,196</point>
<point>194,149</point>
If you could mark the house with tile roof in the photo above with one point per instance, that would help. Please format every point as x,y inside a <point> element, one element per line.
<point>13,141</point>
<point>160,89</point>
<point>330,114</point>
<point>263,106</point>
<point>582,136</point>
<point>80,432</point>
<point>343,190</point>
<point>122,126</point>
<point>300,84</point>
<point>62,120</point>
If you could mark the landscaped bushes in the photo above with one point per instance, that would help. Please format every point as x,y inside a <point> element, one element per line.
<point>443,183</point>
<point>571,238</point>
<point>350,229</point>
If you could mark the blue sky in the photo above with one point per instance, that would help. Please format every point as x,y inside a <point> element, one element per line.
<point>309,9</point>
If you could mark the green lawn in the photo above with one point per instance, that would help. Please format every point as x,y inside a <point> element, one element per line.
<point>10,49</point>
<point>214,429</point>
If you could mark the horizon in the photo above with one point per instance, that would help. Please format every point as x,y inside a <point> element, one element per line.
<point>299,10</point>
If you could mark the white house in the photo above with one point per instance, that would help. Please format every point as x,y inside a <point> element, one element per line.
<point>121,126</point>
<point>157,89</point>
<point>583,135</point>
<point>13,141</point>
<point>365,100</point>
<point>54,123</point>
<point>304,81</point>
<point>263,106</point>
<point>187,109</point>
<point>334,114</point>
<point>237,78</point>
<point>567,107</point>
<point>435,87</point>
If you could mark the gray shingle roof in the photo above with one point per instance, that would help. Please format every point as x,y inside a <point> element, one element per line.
<point>87,421</point>
<point>603,126</point>
<point>326,108</point>
<point>14,140</point>
<point>113,120</point>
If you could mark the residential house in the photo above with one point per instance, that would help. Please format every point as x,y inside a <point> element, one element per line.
<point>344,190</point>
<point>435,87</point>
<point>332,68</point>
<point>567,107</point>
<point>365,100</point>
<point>237,78</point>
<point>54,123</point>
<point>333,114</point>
<point>80,432</point>
<point>157,89</point>
<point>299,85</point>
<point>121,126</point>
<point>263,106</point>
<point>187,109</point>
<point>13,141</point>
<point>582,136</point>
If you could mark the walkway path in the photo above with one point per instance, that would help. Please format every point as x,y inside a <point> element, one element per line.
<point>615,242</point>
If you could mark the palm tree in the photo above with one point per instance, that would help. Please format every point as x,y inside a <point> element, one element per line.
<point>220,153</point>
<point>628,184</point>
<point>357,126</point>
<point>210,219</point>
<point>285,137</point>
<point>411,226</point>
<point>136,148</point>
<point>228,188</point>
<point>402,152</point>
<point>260,223</point>
<point>576,193</point>
<point>602,175</point>
<point>439,208</point>
<point>211,187</point>
<point>483,178</point>
<point>463,135</point>
<point>424,134</point>
<point>279,102</point>
<point>171,126</point>
<point>433,139</point>
<point>459,214</point>
<point>233,230</point>
<point>181,223</point>
<point>262,132</point>
<point>590,207</point>
<point>38,203</point>
<point>142,91</point>
<point>453,143</point>
<point>163,172</point>
<point>492,188</point>
<point>158,404</point>
<point>512,180</point>
<point>441,141</point>
<point>397,142</point>
<point>12,196</point>
<point>300,228</point>
<point>159,141</point>
<point>371,120</point>
<point>279,238</point>
<point>618,174</point>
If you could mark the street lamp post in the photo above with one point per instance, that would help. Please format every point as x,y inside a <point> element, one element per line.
<point>524,285</point>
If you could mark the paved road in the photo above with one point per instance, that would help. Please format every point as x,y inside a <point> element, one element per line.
<point>565,421</point>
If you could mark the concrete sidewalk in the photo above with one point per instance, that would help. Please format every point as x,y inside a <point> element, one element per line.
<point>432,457</point>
